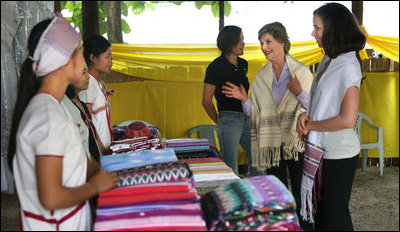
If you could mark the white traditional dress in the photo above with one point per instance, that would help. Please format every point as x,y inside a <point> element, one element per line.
<point>101,108</point>
<point>47,129</point>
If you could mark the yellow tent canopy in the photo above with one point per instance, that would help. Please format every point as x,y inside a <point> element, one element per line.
<point>170,96</point>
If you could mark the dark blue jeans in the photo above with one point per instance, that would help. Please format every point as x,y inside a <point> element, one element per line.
<point>233,128</point>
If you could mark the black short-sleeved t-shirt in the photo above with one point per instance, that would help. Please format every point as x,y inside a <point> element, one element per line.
<point>219,72</point>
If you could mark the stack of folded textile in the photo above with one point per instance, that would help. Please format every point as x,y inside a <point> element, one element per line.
<point>154,197</point>
<point>188,144</point>
<point>135,144</point>
<point>254,203</point>
<point>117,162</point>
<point>192,148</point>
<point>211,171</point>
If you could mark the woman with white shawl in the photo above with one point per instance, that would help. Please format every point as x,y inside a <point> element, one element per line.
<point>279,93</point>
<point>332,146</point>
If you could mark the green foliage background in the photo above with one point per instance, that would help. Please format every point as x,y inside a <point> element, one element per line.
<point>127,7</point>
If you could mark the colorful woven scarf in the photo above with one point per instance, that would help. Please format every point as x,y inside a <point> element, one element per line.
<point>311,180</point>
<point>271,126</point>
<point>315,147</point>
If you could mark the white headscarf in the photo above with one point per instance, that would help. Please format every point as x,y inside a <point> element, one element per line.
<point>55,46</point>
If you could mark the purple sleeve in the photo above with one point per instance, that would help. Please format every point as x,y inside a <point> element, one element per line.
<point>247,107</point>
<point>304,99</point>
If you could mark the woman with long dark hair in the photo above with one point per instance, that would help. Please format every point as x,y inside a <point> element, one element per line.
<point>98,57</point>
<point>332,146</point>
<point>46,151</point>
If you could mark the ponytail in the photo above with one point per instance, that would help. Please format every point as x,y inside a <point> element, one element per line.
<point>28,85</point>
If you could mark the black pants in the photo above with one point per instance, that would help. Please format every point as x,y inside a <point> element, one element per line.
<point>295,172</point>
<point>337,180</point>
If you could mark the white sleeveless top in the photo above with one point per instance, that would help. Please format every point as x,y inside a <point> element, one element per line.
<point>47,129</point>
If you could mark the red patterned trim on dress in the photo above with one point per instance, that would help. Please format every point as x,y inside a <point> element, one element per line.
<point>101,108</point>
<point>19,214</point>
<point>54,221</point>
<point>109,126</point>
<point>48,155</point>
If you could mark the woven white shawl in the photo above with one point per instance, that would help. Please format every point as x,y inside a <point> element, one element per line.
<point>272,126</point>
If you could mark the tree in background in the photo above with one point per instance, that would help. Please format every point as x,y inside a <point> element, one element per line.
<point>137,7</point>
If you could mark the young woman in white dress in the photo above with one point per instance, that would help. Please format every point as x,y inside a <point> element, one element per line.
<point>97,53</point>
<point>46,149</point>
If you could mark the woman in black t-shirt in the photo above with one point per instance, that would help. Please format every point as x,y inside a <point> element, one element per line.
<point>233,126</point>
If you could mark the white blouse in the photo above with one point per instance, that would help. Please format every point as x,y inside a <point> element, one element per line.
<point>343,72</point>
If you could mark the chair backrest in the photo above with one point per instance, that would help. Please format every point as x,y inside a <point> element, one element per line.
<point>205,132</point>
<point>358,125</point>
<point>360,118</point>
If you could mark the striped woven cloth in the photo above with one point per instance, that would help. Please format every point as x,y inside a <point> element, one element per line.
<point>153,206</point>
<point>255,203</point>
<point>211,171</point>
<point>136,159</point>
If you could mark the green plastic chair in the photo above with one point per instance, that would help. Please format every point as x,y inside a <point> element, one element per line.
<point>365,146</point>
<point>205,132</point>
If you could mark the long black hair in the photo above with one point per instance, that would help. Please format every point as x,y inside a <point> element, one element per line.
<point>28,85</point>
<point>342,33</point>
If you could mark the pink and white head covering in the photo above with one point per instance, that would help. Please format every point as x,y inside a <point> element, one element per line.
<point>55,46</point>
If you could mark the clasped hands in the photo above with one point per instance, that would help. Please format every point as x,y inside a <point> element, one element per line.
<point>302,126</point>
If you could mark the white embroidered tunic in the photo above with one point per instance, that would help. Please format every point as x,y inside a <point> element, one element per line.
<point>100,110</point>
<point>47,129</point>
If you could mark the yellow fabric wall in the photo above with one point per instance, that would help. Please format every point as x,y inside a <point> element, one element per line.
<point>172,106</point>
<point>176,106</point>
<point>379,100</point>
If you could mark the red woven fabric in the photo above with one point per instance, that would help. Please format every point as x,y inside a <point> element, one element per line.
<point>117,192</point>
<point>137,129</point>
<point>142,198</point>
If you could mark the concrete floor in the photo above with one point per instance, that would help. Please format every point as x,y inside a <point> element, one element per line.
<point>374,203</point>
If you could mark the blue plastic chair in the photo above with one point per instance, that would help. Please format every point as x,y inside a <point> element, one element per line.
<point>365,146</point>
<point>205,132</point>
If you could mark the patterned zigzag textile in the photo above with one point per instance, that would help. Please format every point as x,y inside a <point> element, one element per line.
<point>157,173</point>
<point>255,203</point>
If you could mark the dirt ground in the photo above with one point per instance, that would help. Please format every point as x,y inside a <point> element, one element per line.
<point>374,203</point>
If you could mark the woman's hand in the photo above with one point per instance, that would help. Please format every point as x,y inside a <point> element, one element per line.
<point>104,181</point>
<point>208,93</point>
<point>232,91</point>
<point>294,85</point>
<point>301,126</point>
